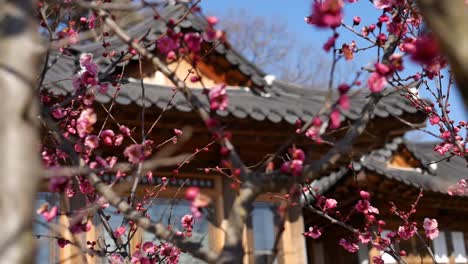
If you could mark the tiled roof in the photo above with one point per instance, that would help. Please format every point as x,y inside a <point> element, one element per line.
<point>279,101</point>
<point>436,178</point>
<point>152,28</point>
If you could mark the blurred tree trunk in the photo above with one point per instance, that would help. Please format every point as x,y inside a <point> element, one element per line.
<point>20,52</point>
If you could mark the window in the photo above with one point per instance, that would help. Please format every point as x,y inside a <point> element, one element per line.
<point>171,211</point>
<point>263,222</point>
<point>45,244</point>
<point>449,244</point>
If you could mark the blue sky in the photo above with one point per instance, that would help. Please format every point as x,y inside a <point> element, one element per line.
<point>293,13</point>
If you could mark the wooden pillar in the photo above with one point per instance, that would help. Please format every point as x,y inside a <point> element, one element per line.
<point>292,241</point>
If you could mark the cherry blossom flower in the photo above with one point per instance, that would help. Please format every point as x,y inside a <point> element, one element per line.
<point>116,258</point>
<point>134,153</point>
<point>343,101</point>
<point>376,82</point>
<point>107,137</point>
<point>187,221</point>
<point>364,195</point>
<point>434,119</point>
<point>62,242</point>
<point>356,21</point>
<point>407,231</point>
<point>218,97</point>
<point>91,141</point>
<point>197,199</point>
<point>330,204</point>
<point>212,20</point>
<point>84,124</point>
<point>118,232</point>
<point>381,4</point>
<point>294,166</point>
<point>314,232</point>
<point>86,63</point>
<point>47,214</point>
<point>149,247</point>
<point>193,41</point>
<point>326,13</point>
<point>377,260</point>
<point>365,238</point>
<point>335,120</point>
<point>430,228</point>
<point>460,188</point>
<point>177,132</point>
<point>349,246</point>
<point>167,44</point>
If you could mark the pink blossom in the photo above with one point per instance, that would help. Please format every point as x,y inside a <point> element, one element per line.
<point>294,167</point>
<point>218,97</point>
<point>343,101</point>
<point>91,141</point>
<point>47,214</point>
<point>177,132</point>
<point>330,204</point>
<point>426,50</point>
<point>459,188</point>
<point>314,232</point>
<point>193,41</point>
<point>434,120</point>
<point>349,246</point>
<point>376,82</point>
<point>298,154</point>
<point>62,242</point>
<point>364,238</point>
<point>149,247</point>
<point>116,258</point>
<point>381,243</point>
<point>86,63</point>
<point>187,222</point>
<point>80,227</point>
<point>212,20</point>
<point>119,231</point>
<point>364,195</point>
<point>377,260</point>
<point>125,130</point>
<point>343,88</point>
<point>326,13</point>
<point>92,21</point>
<point>362,206</point>
<point>59,112</point>
<point>335,119</point>
<point>381,4</point>
<point>191,193</point>
<point>167,44</point>
<point>431,228</point>
<point>107,136</point>
<point>134,153</point>
<point>407,231</point>
<point>84,124</point>
<point>70,34</point>
<point>443,148</point>
<point>356,21</point>
<point>118,140</point>
<point>330,42</point>
<point>138,257</point>
<point>86,187</point>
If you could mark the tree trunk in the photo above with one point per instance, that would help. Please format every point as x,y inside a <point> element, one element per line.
<point>20,52</point>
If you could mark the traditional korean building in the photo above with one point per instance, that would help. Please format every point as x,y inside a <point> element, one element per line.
<point>261,116</point>
<point>397,173</point>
